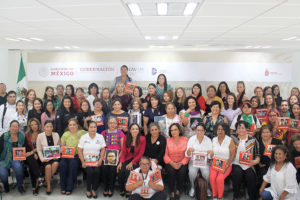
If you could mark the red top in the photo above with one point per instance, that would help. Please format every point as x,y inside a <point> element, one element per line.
<point>138,151</point>
<point>201,102</point>
<point>176,151</point>
<point>76,103</point>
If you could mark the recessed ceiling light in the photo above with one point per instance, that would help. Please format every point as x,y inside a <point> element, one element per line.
<point>37,39</point>
<point>248,47</point>
<point>135,9</point>
<point>11,39</point>
<point>162,8</point>
<point>75,47</point>
<point>58,47</point>
<point>148,37</point>
<point>190,8</point>
<point>256,47</point>
<point>161,37</point>
<point>175,37</point>
<point>290,38</point>
<point>24,39</point>
<point>67,47</point>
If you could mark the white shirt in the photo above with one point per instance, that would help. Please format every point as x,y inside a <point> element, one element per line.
<point>22,122</point>
<point>9,116</point>
<point>204,146</point>
<point>169,122</point>
<point>91,99</point>
<point>221,150</point>
<point>138,190</point>
<point>90,145</point>
<point>283,180</point>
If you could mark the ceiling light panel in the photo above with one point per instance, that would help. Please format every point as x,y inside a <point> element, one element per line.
<point>135,9</point>
<point>189,9</point>
<point>162,8</point>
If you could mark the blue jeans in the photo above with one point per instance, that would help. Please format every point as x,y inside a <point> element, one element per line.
<point>266,195</point>
<point>18,170</point>
<point>68,168</point>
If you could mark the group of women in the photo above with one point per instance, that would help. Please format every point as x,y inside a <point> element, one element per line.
<point>221,125</point>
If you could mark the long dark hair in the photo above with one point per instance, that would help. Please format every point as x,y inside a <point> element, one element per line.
<point>200,186</point>
<point>129,136</point>
<point>199,86</point>
<point>93,85</point>
<point>273,88</point>
<point>150,84</point>
<point>285,151</point>
<point>41,102</point>
<point>62,107</point>
<point>234,103</point>
<point>219,92</point>
<point>186,103</point>
<point>165,83</point>
<point>124,66</point>
<point>292,114</point>
<point>45,107</point>
<point>155,96</point>
<point>45,95</point>
<point>72,90</point>
<point>240,101</point>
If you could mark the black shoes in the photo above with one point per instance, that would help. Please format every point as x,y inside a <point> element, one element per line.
<point>21,189</point>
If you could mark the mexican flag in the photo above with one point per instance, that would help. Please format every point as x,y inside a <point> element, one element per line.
<point>22,81</point>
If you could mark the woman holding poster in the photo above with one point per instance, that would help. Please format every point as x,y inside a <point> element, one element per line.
<point>124,78</point>
<point>266,144</point>
<point>47,139</point>
<point>9,140</point>
<point>114,141</point>
<point>121,94</point>
<point>223,149</point>
<point>69,162</point>
<point>247,156</point>
<point>91,150</point>
<point>201,145</point>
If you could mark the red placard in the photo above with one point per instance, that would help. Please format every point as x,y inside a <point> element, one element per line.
<point>68,152</point>
<point>155,177</point>
<point>268,149</point>
<point>283,123</point>
<point>219,164</point>
<point>262,114</point>
<point>134,177</point>
<point>245,158</point>
<point>19,153</point>
<point>91,159</point>
<point>297,162</point>
<point>122,122</point>
<point>130,87</point>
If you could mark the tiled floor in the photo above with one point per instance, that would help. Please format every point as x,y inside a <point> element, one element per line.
<point>78,194</point>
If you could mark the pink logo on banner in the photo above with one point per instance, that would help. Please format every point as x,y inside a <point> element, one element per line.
<point>267,72</point>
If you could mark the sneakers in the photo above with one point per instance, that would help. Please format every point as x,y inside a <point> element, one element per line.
<point>192,192</point>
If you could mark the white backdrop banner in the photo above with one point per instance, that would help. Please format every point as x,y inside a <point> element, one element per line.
<point>148,71</point>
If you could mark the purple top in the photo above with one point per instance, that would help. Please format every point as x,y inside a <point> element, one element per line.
<point>230,114</point>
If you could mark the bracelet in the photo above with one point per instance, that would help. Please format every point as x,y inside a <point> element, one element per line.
<point>186,114</point>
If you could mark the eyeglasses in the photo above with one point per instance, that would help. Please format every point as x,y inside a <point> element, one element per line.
<point>199,131</point>
<point>145,164</point>
<point>272,115</point>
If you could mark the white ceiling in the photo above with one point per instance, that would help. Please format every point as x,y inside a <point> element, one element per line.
<point>109,25</point>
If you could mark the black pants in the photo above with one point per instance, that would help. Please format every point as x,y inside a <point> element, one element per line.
<point>109,177</point>
<point>34,170</point>
<point>248,177</point>
<point>176,178</point>
<point>92,178</point>
<point>156,196</point>
<point>124,173</point>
